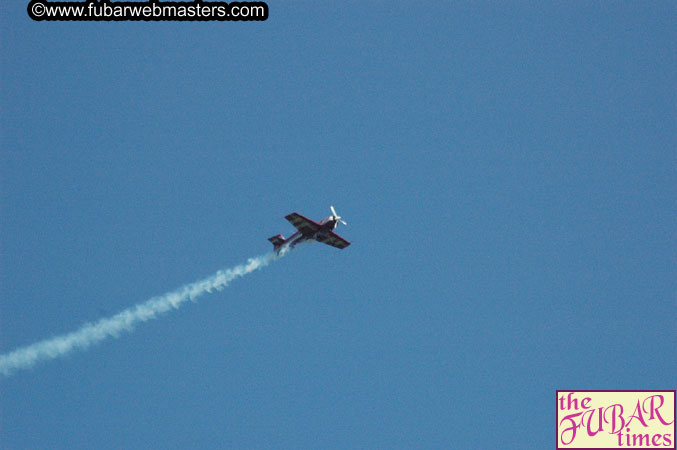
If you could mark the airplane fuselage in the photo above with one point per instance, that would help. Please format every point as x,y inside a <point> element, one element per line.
<point>327,224</point>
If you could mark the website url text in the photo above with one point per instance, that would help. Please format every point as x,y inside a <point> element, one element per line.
<point>152,10</point>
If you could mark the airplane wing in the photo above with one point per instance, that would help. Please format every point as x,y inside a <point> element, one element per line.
<point>303,224</point>
<point>333,239</point>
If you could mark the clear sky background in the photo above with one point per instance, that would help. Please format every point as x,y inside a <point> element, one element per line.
<point>507,171</point>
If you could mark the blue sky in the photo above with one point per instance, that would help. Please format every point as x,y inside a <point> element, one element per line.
<point>507,171</point>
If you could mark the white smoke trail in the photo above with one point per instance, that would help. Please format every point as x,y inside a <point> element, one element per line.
<point>92,333</point>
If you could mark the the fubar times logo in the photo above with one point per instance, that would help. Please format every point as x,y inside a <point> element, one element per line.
<point>616,420</point>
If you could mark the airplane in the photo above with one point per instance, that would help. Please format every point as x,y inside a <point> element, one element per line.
<point>309,230</point>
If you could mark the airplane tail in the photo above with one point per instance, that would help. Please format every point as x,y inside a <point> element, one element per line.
<point>277,241</point>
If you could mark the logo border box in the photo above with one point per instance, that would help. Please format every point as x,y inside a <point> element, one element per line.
<point>674,420</point>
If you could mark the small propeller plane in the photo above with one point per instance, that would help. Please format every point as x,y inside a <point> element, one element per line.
<point>311,230</point>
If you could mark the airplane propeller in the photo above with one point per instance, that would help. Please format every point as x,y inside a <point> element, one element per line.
<point>336,217</point>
